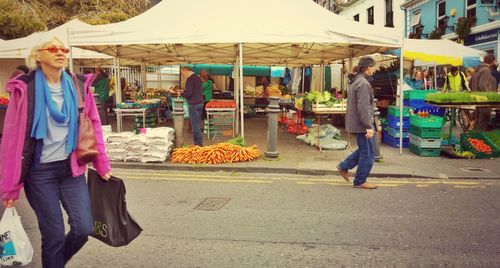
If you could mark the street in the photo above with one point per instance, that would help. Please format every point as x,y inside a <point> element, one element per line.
<point>273,220</point>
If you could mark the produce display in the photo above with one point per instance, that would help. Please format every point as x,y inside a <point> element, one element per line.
<point>147,103</point>
<point>480,145</point>
<point>463,97</point>
<point>4,101</point>
<point>220,104</point>
<point>215,154</point>
<point>323,100</point>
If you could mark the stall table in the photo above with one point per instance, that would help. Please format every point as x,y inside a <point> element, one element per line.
<point>318,115</point>
<point>120,113</point>
<point>213,112</point>
<point>453,107</point>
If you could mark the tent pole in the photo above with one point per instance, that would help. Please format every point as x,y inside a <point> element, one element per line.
<point>401,70</point>
<point>236,91</point>
<point>70,51</point>
<point>143,75</point>
<point>242,123</point>
<point>435,77</point>
<point>118,81</point>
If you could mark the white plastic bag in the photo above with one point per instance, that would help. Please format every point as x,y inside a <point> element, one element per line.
<point>15,247</point>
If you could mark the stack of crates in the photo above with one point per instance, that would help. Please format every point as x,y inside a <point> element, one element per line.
<point>391,132</point>
<point>425,135</point>
<point>151,121</point>
<point>415,99</point>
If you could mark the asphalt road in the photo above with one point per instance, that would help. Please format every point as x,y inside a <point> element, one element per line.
<point>298,221</point>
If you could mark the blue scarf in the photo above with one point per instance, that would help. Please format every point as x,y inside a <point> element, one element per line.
<point>68,112</point>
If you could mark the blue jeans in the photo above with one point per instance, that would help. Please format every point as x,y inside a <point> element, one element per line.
<point>363,158</point>
<point>48,186</point>
<point>195,112</point>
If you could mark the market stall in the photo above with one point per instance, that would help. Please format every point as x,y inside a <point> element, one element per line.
<point>312,37</point>
<point>476,144</point>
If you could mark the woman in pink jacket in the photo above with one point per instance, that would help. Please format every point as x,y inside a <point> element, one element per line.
<point>38,150</point>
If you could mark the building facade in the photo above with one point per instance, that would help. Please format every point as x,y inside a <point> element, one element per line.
<point>328,4</point>
<point>442,18</point>
<point>381,13</point>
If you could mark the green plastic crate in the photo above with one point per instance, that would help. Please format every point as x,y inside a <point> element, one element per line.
<point>425,152</point>
<point>495,152</point>
<point>426,133</point>
<point>394,111</point>
<point>425,143</point>
<point>426,122</point>
<point>417,94</point>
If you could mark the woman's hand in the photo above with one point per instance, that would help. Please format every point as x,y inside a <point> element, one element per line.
<point>9,203</point>
<point>106,176</point>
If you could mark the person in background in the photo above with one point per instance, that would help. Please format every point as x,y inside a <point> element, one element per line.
<point>427,78</point>
<point>336,93</point>
<point>101,87</point>
<point>360,120</point>
<point>484,81</point>
<point>456,81</point>
<point>469,73</point>
<point>20,70</point>
<point>207,88</point>
<point>194,96</point>
<point>38,151</point>
<point>418,80</point>
<point>495,72</point>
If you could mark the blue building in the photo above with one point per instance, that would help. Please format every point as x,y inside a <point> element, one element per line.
<point>425,18</point>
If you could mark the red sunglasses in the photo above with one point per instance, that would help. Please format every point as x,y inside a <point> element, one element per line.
<point>55,49</point>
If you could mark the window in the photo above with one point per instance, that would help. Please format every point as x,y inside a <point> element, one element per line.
<point>441,14</point>
<point>487,2</point>
<point>415,23</point>
<point>490,51</point>
<point>389,15</point>
<point>416,18</point>
<point>370,15</point>
<point>470,8</point>
<point>356,17</point>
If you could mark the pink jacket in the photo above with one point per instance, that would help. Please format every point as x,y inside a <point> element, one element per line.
<point>11,148</point>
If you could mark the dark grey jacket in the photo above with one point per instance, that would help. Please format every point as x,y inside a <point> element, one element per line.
<point>193,92</point>
<point>483,80</point>
<point>360,103</point>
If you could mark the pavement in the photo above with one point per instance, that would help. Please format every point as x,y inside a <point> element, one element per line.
<point>295,157</point>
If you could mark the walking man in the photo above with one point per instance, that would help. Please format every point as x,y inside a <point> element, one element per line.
<point>194,96</point>
<point>482,80</point>
<point>360,121</point>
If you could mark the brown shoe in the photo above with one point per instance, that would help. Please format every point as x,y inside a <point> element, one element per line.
<point>343,173</point>
<point>366,185</point>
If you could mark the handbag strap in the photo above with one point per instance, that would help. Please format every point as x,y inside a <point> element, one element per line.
<point>78,92</point>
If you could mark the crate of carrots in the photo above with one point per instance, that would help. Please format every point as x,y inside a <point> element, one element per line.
<point>480,145</point>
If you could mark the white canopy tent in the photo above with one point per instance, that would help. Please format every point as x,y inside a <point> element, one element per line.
<point>20,48</point>
<point>270,32</point>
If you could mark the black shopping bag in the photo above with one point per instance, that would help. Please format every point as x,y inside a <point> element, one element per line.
<point>113,224</point>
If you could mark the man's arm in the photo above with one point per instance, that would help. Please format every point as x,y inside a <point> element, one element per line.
<point>364,106</point>
<point>188,90</point>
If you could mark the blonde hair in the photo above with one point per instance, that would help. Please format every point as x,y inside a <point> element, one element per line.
<point>470,71</point>
<point>31,61</point>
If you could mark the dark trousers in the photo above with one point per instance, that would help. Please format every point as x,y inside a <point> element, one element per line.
<point>483,118</point>
<point>48,186</point>
<point>195,112</point>
<point>363,157</point>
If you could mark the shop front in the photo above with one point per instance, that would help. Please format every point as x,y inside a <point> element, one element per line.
<point>485,40</point>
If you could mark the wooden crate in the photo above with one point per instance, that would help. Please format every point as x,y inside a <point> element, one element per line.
<point>337,107</point>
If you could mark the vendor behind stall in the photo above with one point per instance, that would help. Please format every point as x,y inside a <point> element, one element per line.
<point>101,86</point>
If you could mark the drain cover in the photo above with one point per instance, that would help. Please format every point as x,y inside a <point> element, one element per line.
<point>475,169</point>
<point>212,204</point>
